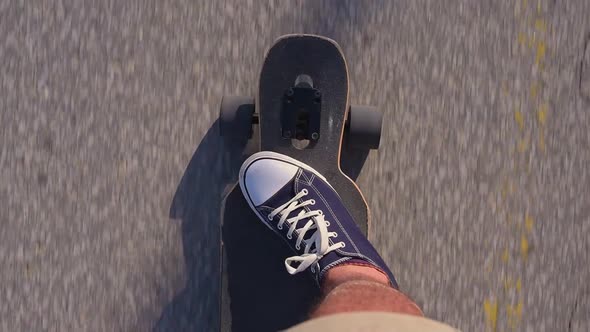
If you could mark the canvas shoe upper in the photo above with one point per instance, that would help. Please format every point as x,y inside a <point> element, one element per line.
<point>299,205</point>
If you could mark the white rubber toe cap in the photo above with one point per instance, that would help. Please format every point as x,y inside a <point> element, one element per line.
<point>263,177</point>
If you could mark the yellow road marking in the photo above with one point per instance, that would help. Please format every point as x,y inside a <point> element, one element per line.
<point>519,119</point>
<point>542,114</point>
<point>524,247</point>
<point>514,313</point>
<point>540,25</point>
<point>541,48</point>
<point>528,223</point>
<point>491,310</point>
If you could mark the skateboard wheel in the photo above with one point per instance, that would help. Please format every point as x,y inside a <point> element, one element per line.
<point>236,116</point>
<point>364,127</point>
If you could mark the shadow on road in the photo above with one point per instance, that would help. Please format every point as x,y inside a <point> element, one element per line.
<point>196,204</point>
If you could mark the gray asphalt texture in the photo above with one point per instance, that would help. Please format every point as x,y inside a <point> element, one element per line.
<point>479,194</point>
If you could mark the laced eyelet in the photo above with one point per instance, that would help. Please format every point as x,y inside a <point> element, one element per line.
<point>297,247</point>
<point>312,201</point>
<point>269,217</point>
<point>289,237</point>
<point>304,191</point>
<point>280,227</point>
<point>327,223</point>
<point>343,244</point>
<point>320,212</point>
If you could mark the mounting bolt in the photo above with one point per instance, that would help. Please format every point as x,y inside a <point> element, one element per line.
<point>287,134</point>
<point>290,92</point>
<point>315,136</point>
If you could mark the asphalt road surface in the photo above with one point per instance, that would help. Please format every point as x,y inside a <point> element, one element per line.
<point>112,172</point>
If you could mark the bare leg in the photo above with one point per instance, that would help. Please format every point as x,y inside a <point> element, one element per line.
<point>350,288</point>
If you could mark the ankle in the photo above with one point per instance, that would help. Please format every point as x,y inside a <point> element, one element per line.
<point>352,272</point>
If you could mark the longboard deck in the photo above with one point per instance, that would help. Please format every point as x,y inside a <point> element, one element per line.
<point>322,59</point>
<point>257,292</point>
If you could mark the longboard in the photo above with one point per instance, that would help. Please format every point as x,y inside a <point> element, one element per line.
<point>301,111</point>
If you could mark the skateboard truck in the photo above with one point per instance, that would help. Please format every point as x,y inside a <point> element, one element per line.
<point>301,113</point>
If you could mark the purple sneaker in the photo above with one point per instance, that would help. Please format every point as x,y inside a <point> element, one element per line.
<point>301,207</point>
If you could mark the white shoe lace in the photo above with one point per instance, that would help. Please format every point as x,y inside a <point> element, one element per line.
<point>321,237</point>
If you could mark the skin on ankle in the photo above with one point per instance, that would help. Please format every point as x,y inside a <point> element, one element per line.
<point>353,288</point>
